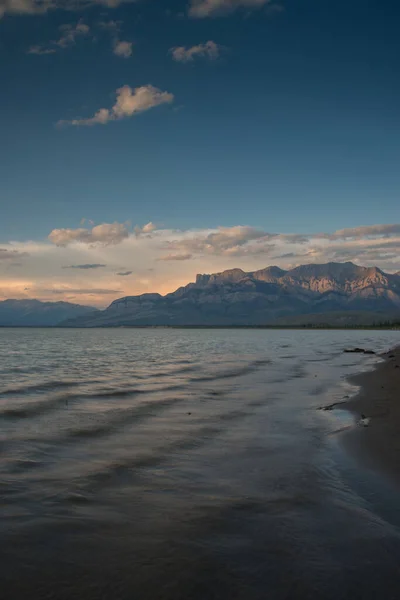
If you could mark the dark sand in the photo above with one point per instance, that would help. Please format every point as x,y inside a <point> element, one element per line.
<point>378,445</point>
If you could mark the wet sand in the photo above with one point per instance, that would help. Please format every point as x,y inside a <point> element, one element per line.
<point>378,444</point>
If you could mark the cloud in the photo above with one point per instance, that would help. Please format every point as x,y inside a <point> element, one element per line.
<point>6,254</point>
<point>369,230</point>
<point>146,229</point>
<point>224,241</point>
<point>82,291</point>
<point>106,234</point>
<point>176,257</point>
<point>287,255</point>
<point>69,33</point>
<point>209,50</point>
<point>209,8</point>
<point>86,266</point>
<point>129,102</point>
<point>40,50</point>
<point>40,7</point>
<point>122,49</point>
<point>112,26</point>
<point>124,273</point>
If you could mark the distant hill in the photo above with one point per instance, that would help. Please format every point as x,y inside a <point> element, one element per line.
<point>33,313</point>
<point>262,297</point>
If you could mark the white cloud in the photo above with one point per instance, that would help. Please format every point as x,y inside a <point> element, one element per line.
<point>146,229</point>
<point>209,50</point>
<point>129,102</point>
<point>39,7</point>
<point>122,49</point>
<point>106,234</point>
<point>209,8</point>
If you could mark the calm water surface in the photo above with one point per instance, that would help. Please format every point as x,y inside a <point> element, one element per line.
<point>188,464</point>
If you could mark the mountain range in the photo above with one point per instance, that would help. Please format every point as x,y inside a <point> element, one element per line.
<point>333,293</point>
<point>33,313</point>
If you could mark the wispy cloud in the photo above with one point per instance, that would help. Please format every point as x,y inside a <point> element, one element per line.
<point>210,8</point>
<point>111,26</point>
<point>85,266</point>
<point>209,50</point>
<point>106,234</point>
<point>41,50</point>
<point>176,257</point>
<point>129,102</point>
<point>40,7</point>
<point>83,291</point>
<point>369,230</point>
<point>124,273</point>
<point>69,34</point>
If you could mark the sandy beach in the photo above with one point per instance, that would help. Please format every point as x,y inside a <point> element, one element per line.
<point>378,444</point>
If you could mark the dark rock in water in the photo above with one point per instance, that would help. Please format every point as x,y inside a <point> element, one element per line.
<point>359,351</point>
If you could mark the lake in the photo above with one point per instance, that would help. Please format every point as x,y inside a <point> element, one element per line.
<point>188,464</point>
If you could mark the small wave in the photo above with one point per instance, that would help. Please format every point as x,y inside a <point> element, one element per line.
<point>125,418</point>
<point>31,410</point>
<point>223,375</point>
<point>240,371</point>
<point>44,386</point>
<point>261,362</point>
<point>119,469</point>
<point>118,393</point>
<point>160,374</point>
<point>23,464</point>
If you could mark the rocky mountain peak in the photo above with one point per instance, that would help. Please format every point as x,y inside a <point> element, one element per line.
<point>269,274</point>
<point>230,275</point>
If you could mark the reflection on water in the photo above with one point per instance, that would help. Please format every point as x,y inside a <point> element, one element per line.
<point>182,464</point>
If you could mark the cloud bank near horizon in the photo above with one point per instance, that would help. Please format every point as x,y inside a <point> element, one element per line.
<point>93,263</point>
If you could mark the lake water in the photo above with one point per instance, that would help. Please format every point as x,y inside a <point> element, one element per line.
<point>188,464</point>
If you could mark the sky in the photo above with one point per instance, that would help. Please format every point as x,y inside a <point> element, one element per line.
<point>145,141</point>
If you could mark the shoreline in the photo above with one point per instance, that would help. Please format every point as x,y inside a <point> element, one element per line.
<point>378,445</point>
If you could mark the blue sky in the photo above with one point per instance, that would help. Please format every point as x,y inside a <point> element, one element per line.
<point>278,116</point>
